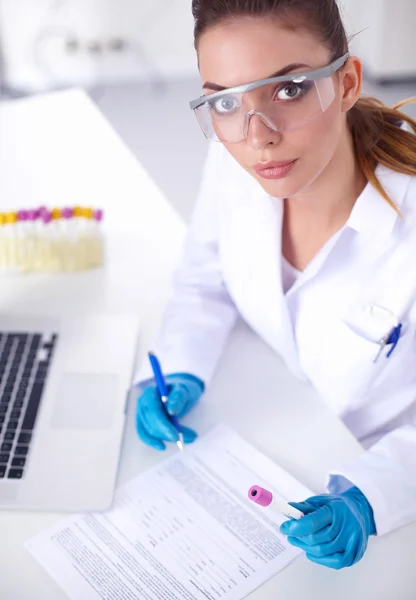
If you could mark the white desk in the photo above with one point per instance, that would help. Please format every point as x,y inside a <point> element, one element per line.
<point>60,150</point>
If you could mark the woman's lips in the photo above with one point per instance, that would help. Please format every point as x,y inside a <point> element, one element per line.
<point>274,170</point>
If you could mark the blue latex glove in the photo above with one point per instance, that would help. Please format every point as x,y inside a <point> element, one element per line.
<point>153,425</point>
<point>335,529</point>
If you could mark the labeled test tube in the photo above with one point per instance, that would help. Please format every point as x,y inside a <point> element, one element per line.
<point>264,498</point>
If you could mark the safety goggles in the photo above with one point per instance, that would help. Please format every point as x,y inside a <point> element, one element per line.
<point>283,103</point>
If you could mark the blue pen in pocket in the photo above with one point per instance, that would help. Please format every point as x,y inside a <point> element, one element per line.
<point>394,339</point>
<point>164,394</point>
<point>391,339</point>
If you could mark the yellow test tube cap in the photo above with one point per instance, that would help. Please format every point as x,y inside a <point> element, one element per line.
<point>2,218</point>
<point>11,217</point>
<point>88,213</point>
<point>56,214</point>
<point>77,211</point>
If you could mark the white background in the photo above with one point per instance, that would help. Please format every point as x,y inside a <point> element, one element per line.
<point>163,28</point>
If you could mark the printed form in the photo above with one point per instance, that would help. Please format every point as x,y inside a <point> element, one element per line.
<point>183,530</point>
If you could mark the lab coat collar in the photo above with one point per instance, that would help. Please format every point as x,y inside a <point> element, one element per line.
<point>371,213</point>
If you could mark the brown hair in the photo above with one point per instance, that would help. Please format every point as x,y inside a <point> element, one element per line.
<point>376,129</point>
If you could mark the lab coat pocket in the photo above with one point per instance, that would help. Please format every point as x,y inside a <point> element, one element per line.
<point>376,362</point>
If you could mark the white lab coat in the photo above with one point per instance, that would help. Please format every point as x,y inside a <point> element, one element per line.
<point>324,327</point>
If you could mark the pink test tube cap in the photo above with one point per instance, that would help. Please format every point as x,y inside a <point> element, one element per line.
<point>67,213</point>
<point>22,215</point>
<point>32,214</point>
<point>260,496</point>
<point>46,216</point>
<point>98,214</point>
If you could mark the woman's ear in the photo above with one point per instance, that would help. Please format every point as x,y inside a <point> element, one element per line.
<point>351,83</point>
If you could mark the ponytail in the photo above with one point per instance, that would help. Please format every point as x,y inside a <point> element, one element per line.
<point>379,138</point>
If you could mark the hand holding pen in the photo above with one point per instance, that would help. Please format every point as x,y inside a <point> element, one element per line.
<point>164,396</point>
<point>162,403</point>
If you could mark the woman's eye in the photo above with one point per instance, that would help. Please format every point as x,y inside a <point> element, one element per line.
<point>225,105</point>
<point>291,91</point>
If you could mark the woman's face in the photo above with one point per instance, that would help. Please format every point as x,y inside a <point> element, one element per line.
<point>249,49</point>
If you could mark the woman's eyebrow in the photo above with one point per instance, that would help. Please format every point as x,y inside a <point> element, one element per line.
<point>220,88</point>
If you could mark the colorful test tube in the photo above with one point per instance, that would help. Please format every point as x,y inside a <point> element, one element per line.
<point>69,239</point>
<point>3,256</point>
<point>99,243</point>
<point>98,215</point>
<point>11,240</point>
<point>33,235</point>
<point>264,498</point>
<point>22,254</point>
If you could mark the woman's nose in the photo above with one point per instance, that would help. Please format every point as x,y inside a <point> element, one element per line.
<point>259,133</point>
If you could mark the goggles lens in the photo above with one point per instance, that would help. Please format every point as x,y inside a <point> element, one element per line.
<point>286,106</point>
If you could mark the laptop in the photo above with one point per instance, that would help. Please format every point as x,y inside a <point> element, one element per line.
<point>64,385</point>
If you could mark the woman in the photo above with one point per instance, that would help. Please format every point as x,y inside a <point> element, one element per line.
<point>305,226</point>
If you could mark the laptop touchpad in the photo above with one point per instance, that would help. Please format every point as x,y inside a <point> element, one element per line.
<point>85,401</point>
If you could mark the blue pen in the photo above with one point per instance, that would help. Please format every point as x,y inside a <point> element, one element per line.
<point>391,339</point>
<point>164,393</point>
<point>394,339</point>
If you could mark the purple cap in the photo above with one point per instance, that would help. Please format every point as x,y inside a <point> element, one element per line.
<point>98,214</point>
<point>32,214</point>
<point>22,215</point>
<point>67,213</point>
<point>46,216</point>
<point>260,496</point>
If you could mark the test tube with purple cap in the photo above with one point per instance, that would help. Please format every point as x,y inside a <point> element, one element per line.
<point>45,257</point>
<point>32,237</point>
<point>97,240</point>
<point>68,240</point>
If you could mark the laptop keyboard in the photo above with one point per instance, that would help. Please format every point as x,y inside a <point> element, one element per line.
<point>25,359</point>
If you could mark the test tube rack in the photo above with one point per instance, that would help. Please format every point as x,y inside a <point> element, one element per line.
<point>51,240</point>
